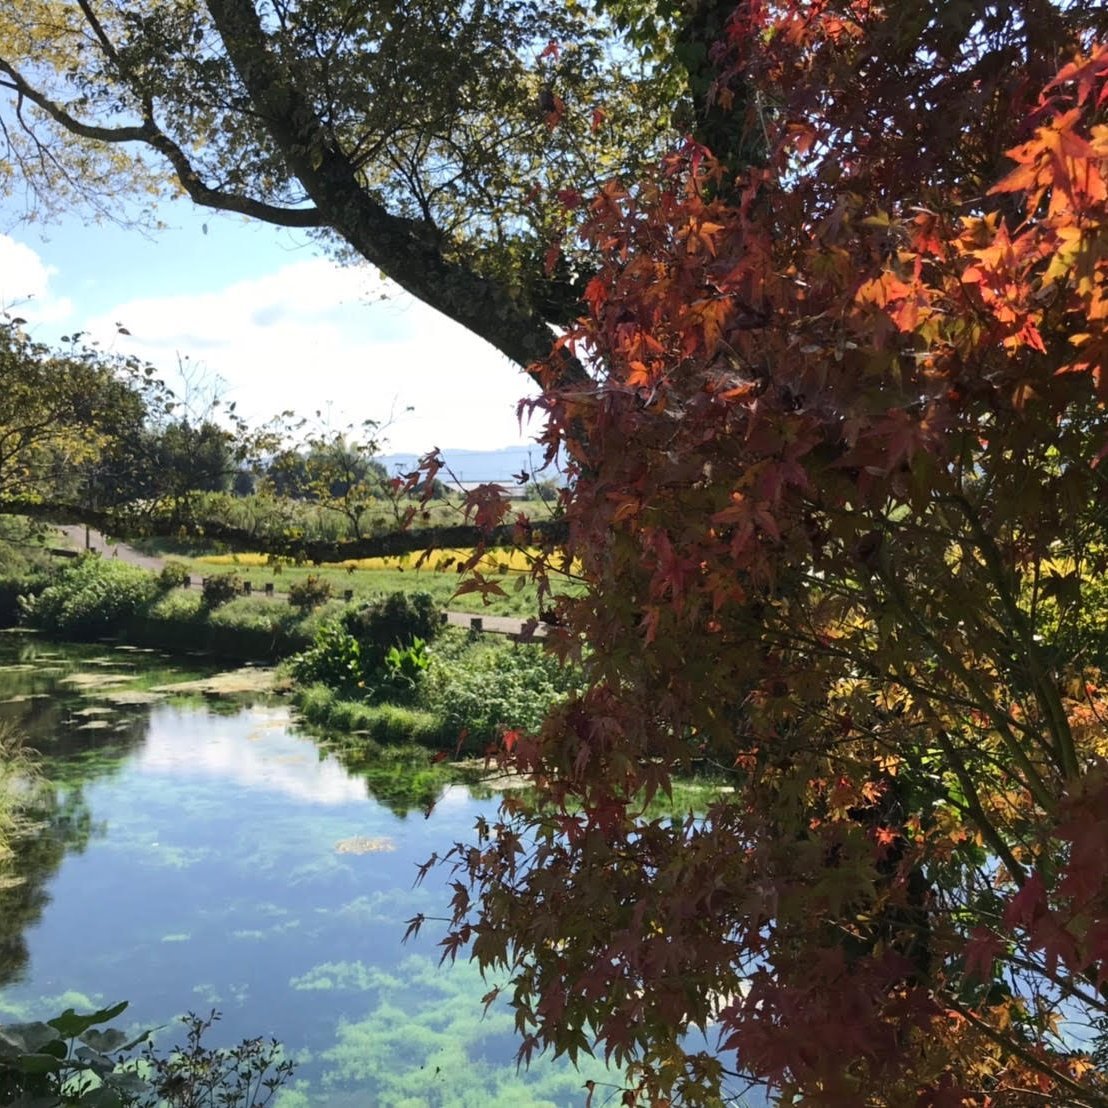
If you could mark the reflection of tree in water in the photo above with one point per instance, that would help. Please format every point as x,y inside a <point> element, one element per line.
<point>401,778</point>
<point>55,817</point>
<point>57,821</point>
<point>60,822</point>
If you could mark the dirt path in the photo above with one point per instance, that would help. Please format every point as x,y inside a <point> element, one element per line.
<point>76,536</point>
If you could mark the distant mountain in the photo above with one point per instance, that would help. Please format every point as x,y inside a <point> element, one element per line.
<point>473,467</point>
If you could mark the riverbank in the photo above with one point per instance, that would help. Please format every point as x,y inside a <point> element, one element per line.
<point>386,671</point>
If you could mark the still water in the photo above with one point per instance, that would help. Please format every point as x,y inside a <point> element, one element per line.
<point>198,853</point>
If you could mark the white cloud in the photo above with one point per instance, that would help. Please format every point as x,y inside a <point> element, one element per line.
<point>317,336</point>
<point>269,758</point>
<point>25,284</point>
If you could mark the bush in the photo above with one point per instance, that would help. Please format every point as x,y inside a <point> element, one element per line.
<point>92,596</point>
<point>254,613</point>
<point>178,606</point>
<point>174,575</point>
<point>376,652</point>
<point>309,593</point>
<point>220,588</point>
<point>25,567</point>
<point>394,620</point>
<point>248,628</point>
<point>334,659</point>
<point>483,691</point>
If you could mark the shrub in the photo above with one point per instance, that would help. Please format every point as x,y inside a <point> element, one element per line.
<point>334,659</point>
<point>394,620</point>
<point>25,568</point>
<point>483,691</point>
<point>309,593</point>
<point>253,613</point>
<point>375,652</point>
<point>221,588</point>
<point>178,606</point>
<point>93,596</point>
<point>71,1060</point>
<point>174,575</point>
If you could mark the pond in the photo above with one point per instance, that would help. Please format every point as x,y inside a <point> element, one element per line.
<point>199,852</point>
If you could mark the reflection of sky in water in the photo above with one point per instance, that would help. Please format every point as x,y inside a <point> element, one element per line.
<point>270,760</point>
<point>216,883</point>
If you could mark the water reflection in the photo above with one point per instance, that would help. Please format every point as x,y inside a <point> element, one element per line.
<point>261,753</point>
<point>189,859</point>
<point>59,820</point>
<point>61,823</point>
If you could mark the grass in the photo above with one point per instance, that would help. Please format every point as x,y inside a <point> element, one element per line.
<point>379,723</point>
<point>377,576</point>
<point>369,577</point>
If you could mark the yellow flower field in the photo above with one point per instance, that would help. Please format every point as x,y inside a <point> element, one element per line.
<point>516,560</point>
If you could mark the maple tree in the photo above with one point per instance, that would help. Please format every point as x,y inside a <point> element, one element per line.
<point>839,493</point>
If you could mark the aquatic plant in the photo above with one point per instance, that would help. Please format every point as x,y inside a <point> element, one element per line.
<point>429,1040</point>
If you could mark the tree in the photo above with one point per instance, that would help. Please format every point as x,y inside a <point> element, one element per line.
<point>336,470</point>
<point>431,138</point>
<point>838,498</point>
<point>66,414</point>
<point>193,457</point>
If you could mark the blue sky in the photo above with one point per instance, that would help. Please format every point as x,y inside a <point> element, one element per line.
<point>264,310</point>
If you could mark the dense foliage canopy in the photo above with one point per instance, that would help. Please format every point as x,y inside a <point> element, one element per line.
<point>839,496</point>
<point>66,414</point>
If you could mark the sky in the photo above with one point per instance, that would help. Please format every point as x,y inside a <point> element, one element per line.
<point>264,311</point>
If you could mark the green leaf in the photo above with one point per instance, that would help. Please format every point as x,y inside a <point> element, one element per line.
<point>111,1038</point>
<point>94,1060</point>
<point>70,1025</point>
<point>101,1097</point>
<point>25,1038</point>
<point>129,1084</point>
<point>39,1063</point>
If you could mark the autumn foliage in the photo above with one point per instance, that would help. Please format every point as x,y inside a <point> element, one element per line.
<point>839,497</point>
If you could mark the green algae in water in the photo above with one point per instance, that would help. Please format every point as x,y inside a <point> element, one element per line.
<point>426,1042</point>
<point>196,867</point>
